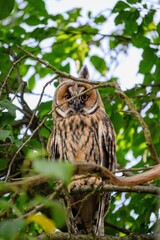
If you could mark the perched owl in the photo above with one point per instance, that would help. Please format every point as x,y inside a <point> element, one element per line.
<point>83,133</point>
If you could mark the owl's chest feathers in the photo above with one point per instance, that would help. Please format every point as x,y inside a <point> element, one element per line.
<point>79,138</point>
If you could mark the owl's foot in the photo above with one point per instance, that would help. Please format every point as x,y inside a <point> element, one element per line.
<point>79,182</point>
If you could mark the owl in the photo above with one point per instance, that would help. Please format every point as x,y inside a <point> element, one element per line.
<point>83,133</point>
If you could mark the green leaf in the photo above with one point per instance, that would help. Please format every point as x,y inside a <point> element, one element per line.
<point>6,118</point>
<point>58,170</point>
<point>131,24</point>
<point>31,83</point>
<point>9,106</point>
<point>99,63</point>
<point>10,229</point>
<point>44,108</point>
<point>74,14</point>
<point>100,19</point>
<point>4,134</point>
<point>157,71</point>
<point>158,28</point>
<point>4,204</point>
<point>148,61</point>
<point>120,18</point>
<point>43,221</point>
<point>59,214</point>
<point>3,163</point>
<point>6,8</point>
<point>32,20</point>
<point>120,6</point>
<point>38,6</point>
<point>44,132</point>
<point>133,1</point>
<point>140,41</point>
<point>149,18</point>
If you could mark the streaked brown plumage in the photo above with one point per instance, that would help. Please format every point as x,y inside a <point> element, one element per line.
<point>83,132</point>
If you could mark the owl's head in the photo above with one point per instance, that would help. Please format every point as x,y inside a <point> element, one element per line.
<point>71,100</point>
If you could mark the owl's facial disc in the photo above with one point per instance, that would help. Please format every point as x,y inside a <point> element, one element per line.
<point>69,96</point>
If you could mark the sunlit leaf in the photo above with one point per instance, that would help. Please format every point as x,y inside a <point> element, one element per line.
<point>46,224</point>
<point>31,83</point>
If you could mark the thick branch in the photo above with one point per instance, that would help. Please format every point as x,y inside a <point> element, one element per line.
<point>118,183</point>
<point>84,168</point>
<point>116,188</point>
<point>66,236</point>
<point>24,183</point>
<point>60,73</point>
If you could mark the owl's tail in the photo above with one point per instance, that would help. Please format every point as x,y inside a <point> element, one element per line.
<point>87,215</point>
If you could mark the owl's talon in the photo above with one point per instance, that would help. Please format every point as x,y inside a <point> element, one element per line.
<point>77,184</point>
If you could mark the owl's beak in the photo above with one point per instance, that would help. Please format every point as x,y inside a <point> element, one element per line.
<point>76,105</point>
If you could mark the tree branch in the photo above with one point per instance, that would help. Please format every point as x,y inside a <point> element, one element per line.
<point>66,236</point>
<point>85,168</point>
<point>147,133</point>
<point>112,182</point>
<point>38,207</point>
<point>116,188</point>
<point>39,101</point>
<point>10,72</point>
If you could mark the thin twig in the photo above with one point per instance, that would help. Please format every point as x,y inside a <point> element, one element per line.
<point>38,207</point>
<point>118,229</point>
<point>133,169</point>
<point>20,148</point>
<point>147,133</point>
<point>63,74</point>
<point>34,112</point>
<point>10,71</point>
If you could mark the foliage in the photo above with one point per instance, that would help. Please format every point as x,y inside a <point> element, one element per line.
<point>65,40</point>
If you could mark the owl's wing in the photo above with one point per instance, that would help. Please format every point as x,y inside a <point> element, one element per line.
<point>108,145</point>
<point>108,159</point>
<point>52,147</point>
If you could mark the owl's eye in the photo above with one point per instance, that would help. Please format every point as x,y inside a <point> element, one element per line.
<point>67,96</point>
<point>84,97</point>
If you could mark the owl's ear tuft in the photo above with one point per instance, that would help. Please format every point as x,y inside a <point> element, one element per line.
<point>84,73</point>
